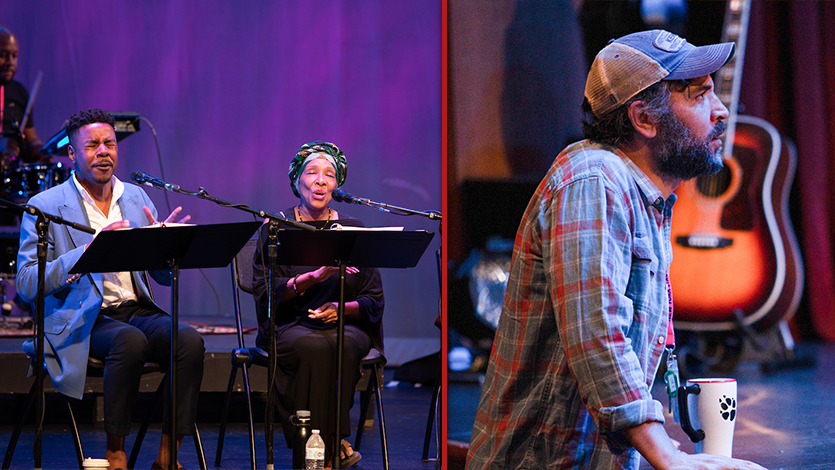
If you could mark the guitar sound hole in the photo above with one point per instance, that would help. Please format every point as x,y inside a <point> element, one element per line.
<point>715,185</point>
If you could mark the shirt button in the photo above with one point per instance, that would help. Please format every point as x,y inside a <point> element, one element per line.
<point>661,340</point>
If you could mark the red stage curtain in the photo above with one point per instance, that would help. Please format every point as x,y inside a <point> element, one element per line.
<point>789,80</point>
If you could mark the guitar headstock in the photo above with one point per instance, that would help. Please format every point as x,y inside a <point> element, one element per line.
<point>728,79</point>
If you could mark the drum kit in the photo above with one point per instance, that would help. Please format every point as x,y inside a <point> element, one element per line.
<point>18,183</point>
<point>28,179</point>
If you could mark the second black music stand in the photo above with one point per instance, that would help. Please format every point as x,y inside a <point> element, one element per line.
<point>166,247</point>
<point>368,248</point>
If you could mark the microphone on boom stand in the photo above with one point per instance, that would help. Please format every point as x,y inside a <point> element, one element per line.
<point>340,195</point>
<point>140,177</point>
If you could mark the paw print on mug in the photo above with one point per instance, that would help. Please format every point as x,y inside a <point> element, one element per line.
<point>728,408</point>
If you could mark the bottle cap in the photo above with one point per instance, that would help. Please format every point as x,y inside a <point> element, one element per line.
<point>303,413</point>
<point>314,431</point>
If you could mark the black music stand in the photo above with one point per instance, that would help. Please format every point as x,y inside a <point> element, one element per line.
<point>367,248</point>
<point>166,247</point>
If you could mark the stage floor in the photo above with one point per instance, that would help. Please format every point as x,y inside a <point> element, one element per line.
<point>786,420</point>
<point>406,409</point>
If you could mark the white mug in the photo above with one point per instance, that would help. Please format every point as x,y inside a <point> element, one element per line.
<point>708,414</point>
<point>95,464</point>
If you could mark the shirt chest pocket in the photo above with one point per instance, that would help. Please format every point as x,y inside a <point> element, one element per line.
<point>642,273</point>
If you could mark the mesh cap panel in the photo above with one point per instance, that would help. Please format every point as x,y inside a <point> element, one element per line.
<point>618,73</point>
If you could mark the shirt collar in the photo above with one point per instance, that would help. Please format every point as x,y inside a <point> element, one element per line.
<point>117,185</point>
<point>651,194</point>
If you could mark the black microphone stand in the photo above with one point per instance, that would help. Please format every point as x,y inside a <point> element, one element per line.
<point>42,227</point>
<point>439,378</point>
<point>272,256</point>
<point>272,253</point>
<point>396,210</point>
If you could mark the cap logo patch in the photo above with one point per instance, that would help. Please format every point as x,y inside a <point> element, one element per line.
<point>668,42</point>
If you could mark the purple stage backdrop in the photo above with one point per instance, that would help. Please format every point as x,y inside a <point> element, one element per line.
<point>233,88</point>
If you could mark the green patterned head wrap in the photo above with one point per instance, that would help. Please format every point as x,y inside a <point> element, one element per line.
<point>303,157</point>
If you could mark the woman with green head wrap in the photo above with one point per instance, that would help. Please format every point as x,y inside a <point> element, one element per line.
<point>317,169</point>
<point>306,312</point>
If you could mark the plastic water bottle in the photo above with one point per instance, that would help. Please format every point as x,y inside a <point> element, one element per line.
<point>315,451</point>
<point>301,420</point>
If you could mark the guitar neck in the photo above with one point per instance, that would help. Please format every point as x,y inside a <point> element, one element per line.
<point>728,79</point>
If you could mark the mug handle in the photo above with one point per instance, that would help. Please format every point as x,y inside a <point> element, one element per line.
<point>695,435</point>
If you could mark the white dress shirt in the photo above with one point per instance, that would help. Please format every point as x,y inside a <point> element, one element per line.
<point>118,287</point>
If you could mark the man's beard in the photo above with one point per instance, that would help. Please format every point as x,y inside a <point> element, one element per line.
<point>680,155</point>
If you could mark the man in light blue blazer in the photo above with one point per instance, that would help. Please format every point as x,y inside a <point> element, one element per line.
<point>111,316</point>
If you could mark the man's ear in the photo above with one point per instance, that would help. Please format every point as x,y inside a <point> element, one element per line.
<point>641,120</point>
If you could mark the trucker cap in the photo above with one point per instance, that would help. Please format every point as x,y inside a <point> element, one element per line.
<point>631,64</point>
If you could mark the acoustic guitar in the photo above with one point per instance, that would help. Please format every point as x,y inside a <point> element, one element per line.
<point>735,256</point>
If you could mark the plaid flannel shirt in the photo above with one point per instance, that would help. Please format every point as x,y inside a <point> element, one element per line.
<point>584,321</point>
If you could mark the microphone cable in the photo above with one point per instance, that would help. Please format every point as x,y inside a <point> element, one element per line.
<point>168,206</point>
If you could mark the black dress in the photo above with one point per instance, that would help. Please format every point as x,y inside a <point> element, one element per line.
<point>306,349</point>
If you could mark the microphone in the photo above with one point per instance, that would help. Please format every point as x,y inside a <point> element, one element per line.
<point>341,196</point>
<point>140,177</point>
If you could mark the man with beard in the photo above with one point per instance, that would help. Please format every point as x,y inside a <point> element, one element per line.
<point>587,312</point>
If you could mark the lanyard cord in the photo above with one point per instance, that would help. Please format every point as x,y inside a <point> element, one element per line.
<point>671,335</point>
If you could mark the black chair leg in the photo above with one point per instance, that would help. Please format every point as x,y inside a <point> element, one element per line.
<point>143,429</point>
<point>431,420</point>
<point>249,416</point>
<point>7,462</point>
<point>79,451</point>
<point>378,380</point>
<point>140,436</point>
<point>365,399</point>
<point>198,446</point>
<point>222,432</point>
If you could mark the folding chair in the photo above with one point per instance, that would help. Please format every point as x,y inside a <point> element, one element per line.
<point>95,368</point>
<point>244,357</point>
